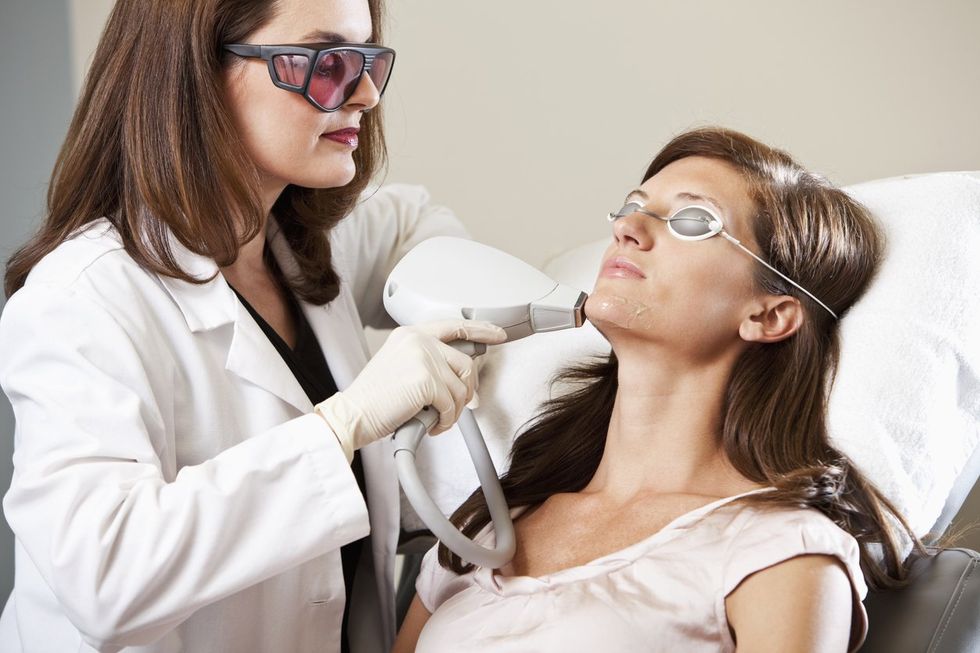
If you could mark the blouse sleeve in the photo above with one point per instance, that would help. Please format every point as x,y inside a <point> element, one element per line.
<point>773,536</point>
<point>435,584</point>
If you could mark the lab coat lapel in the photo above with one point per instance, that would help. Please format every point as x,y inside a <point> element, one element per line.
<point>213,304</point>
<point>333,324</point>
<point>254,358</point>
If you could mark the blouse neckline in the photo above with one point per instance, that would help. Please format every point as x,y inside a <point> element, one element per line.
<point>495,583</point>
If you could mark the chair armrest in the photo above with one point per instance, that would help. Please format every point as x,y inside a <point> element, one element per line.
<point>938,612</point>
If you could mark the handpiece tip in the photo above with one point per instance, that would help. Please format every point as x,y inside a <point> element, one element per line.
<point>580,316</point>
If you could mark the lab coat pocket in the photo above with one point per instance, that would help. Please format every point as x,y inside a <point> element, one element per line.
<point>322,580</point>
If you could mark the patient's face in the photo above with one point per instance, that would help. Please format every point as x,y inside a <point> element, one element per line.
<point>688,295</point>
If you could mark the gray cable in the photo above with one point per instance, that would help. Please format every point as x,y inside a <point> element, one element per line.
<point>407,439</point>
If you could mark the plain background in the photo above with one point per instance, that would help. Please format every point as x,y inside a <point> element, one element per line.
<point>532,118</point>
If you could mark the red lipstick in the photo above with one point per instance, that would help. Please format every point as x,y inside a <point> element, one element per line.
<point>346,136</point>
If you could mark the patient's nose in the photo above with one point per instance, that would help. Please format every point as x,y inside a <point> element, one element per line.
<point>633,230</point>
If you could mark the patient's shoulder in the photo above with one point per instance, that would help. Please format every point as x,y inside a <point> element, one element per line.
<point>756,524</point>
<point>435,584</point>
<point>762,536</point>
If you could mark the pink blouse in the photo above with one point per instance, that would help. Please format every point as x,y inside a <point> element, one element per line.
<point>664,593</point>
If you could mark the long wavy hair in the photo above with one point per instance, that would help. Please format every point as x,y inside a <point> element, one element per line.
<point>152,147</point>
<point>774,427</point>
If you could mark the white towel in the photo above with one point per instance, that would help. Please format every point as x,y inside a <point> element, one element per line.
<point>906,403</point>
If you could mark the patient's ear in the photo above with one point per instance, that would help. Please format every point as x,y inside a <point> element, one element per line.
<point>775,318</point>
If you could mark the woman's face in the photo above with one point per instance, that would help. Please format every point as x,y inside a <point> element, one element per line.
<point>286,136</point>
<point>693,294</point>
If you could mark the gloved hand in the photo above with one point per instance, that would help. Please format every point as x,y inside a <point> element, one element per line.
<point>412,370</point>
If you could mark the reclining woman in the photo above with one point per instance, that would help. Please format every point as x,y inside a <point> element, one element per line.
<point>683,493</point>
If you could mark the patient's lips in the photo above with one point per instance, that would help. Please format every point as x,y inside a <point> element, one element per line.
<point>622,268</point>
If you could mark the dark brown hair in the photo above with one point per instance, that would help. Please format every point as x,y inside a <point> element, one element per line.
<point>153,148</point>
<point>774,428</point>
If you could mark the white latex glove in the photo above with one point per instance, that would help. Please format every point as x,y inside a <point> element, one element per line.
<point>412,370</point>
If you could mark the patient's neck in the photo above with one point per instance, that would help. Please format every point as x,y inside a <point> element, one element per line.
<point>664,434</point>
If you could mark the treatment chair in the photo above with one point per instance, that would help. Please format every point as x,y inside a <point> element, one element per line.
<point>905,405</point>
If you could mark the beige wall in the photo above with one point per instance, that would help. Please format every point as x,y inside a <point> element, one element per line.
<point>86,17</point>
<point>533,118</point>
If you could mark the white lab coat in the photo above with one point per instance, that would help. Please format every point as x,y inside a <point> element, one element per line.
<point>171,489</point>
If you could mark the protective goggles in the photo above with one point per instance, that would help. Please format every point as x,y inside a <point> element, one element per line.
<point>697,222</point>
<point>326,74</point>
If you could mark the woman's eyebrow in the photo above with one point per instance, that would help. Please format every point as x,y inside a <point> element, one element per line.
<point>322,36</point>
<point>639,192</point>
<point>325,36</point>
<point>684,195</point>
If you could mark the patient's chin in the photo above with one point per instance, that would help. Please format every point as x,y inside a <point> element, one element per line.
<point>610,313</point>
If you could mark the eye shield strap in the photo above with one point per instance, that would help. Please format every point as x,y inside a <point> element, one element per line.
<point>745,249</point>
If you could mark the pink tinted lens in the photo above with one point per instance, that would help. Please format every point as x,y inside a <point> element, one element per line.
<point>291,68</point>
<point>335,76</point>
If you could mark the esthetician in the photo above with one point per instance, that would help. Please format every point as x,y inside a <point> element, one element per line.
<point>187,476</point>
